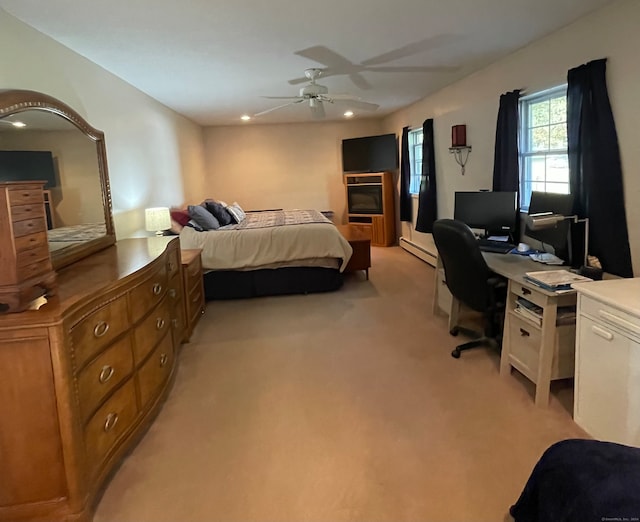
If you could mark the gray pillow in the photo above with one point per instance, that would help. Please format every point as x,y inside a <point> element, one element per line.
<point>203,217</point>
<point>218,211</point>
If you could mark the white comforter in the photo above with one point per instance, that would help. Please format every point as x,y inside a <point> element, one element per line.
<point>231,249</point>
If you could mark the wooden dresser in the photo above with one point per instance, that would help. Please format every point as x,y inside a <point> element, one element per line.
<point>83,377</point>
<point>193,288</point>
<point>26,271</point>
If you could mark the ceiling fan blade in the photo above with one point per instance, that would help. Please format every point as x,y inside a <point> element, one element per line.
<point>282,97</point>
<point>417,68</point>
<point>359,81</point>
<point>317,110</point>
<point>278,107</point>
<point>411,49</point>
<point>356,104</point>
<point>325,56</point>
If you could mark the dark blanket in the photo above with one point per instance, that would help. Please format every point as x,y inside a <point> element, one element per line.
<point>581,481</point>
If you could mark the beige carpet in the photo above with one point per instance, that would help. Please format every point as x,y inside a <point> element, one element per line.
<point>343,406</point>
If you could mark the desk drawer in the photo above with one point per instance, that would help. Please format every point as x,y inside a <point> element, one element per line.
<point>530,294</point>
<point>525,340</point>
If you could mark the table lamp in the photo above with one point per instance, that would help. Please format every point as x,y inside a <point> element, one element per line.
<point>157,219</point>
<point>544,220</point>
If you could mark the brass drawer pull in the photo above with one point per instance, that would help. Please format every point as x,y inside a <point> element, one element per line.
<point>525,291</point>
<point>157,288</point>
<point>106,373</point>
<point>172,293</point>
<point>101,329</point>
<point>171,266</point>
<point>524,333</point>
<point>110,423</point>
<point>175,323</point>
<point>163,360</point>
<point>159,323</point>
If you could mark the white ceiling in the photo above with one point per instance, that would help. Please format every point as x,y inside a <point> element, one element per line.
<point>212,61</point>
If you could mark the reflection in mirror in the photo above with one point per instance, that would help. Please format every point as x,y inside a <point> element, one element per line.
<point>54,143</point>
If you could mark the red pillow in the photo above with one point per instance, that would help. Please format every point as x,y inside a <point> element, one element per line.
<point>180,216</point>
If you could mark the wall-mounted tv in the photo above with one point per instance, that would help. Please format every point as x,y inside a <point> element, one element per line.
<point>370,154</point>
<point>27,165</point>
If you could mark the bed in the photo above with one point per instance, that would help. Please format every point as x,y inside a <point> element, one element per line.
<point>271,253</point>
<point>66,236</point>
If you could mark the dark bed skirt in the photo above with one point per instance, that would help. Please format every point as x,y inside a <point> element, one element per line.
<point>231,284</point>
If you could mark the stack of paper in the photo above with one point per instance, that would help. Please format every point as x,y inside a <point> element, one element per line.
<point>555,279</point>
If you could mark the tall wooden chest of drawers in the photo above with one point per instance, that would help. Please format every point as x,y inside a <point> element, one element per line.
<point>84,376</point>
<point>24,257</point>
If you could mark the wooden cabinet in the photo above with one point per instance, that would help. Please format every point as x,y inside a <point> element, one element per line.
<point>607,383</point>
<point>360,240</point>
<point>84,376</point>
<point>194,289</point>
<point>26,272</point>
<point>370,202</point>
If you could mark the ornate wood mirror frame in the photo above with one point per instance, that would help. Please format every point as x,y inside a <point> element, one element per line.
<point>13,102</point>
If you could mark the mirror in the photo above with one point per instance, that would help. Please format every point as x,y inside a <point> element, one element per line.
<point>56,143</point>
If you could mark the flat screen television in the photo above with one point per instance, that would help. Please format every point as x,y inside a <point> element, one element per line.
<point>493,212</point>
<point>370,154</point>
<point>28,165</point>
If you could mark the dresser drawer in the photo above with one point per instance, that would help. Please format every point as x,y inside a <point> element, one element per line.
<point>193,272</point>
<point>33,269</point>
<point>103,375</point>
<point>151,330</point>
<point>195,302</point>
<point>37,253</point>
<point>98,328</point>
<point>176,304</point>
<point>148,293</point>
<point>525,341</point>
<point>609,315</point>
<point>173,262</point>
<point>155,372</point>
<point>21,212</point>
<point>25,196</point>
<point>109,424</point>
<point>29,226</point>
<point>32,240</point>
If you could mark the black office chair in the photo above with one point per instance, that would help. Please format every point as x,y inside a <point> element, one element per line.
<point>470,281</point>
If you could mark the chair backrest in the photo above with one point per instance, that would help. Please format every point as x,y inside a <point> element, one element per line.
<point>465,269</point>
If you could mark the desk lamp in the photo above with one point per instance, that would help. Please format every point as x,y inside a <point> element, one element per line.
<point>157,219</point>
<point>544,220</point>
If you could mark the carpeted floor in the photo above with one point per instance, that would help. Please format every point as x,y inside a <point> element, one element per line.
<point>343,406</point>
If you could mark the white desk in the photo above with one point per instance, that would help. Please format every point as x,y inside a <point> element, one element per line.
<point>540,352</point>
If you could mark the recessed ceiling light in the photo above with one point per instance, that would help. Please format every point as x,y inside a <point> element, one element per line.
<point>18,124</point>
<point>348,114</point>
<point>245,117</point>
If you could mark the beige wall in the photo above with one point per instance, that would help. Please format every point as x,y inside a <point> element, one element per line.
<point>155,155</point>
<point>281,166</point>
<point>611,33</point>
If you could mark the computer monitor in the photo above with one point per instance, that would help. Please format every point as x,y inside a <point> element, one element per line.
<point>493,212</point>
<point>558,237</point>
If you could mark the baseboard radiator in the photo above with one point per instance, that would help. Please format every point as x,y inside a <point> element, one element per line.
<point>418,251</point>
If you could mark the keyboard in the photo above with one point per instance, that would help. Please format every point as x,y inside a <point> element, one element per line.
<point>497,247</point>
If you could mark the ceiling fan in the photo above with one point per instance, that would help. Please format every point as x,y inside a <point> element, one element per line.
<point>317,95</point>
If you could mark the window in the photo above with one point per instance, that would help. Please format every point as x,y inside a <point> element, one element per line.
<point>415,158</point>
<point>544,162</point>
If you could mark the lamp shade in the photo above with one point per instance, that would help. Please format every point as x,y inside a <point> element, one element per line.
<point>157,219</point>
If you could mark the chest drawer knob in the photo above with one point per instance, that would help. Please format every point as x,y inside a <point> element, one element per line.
<point>163,360</point>
<point>110,422</point>
<point>159,323</point>
<point>157,288</point>
<point>172,293</point>
<point>175,323</point>
<point>106,373</point>
<point>524,333</point>
<point>101,329</point>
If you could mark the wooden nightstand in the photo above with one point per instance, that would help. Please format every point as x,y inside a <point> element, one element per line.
<point>193,288</point>
<point>360,240</point>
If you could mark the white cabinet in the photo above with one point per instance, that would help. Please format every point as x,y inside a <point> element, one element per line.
<point>607,384</point>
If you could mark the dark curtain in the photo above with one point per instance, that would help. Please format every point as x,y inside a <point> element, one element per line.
<point>427,200</point>
<point>405,178</point>
<point>506,173</point>
<point>595,171</point>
